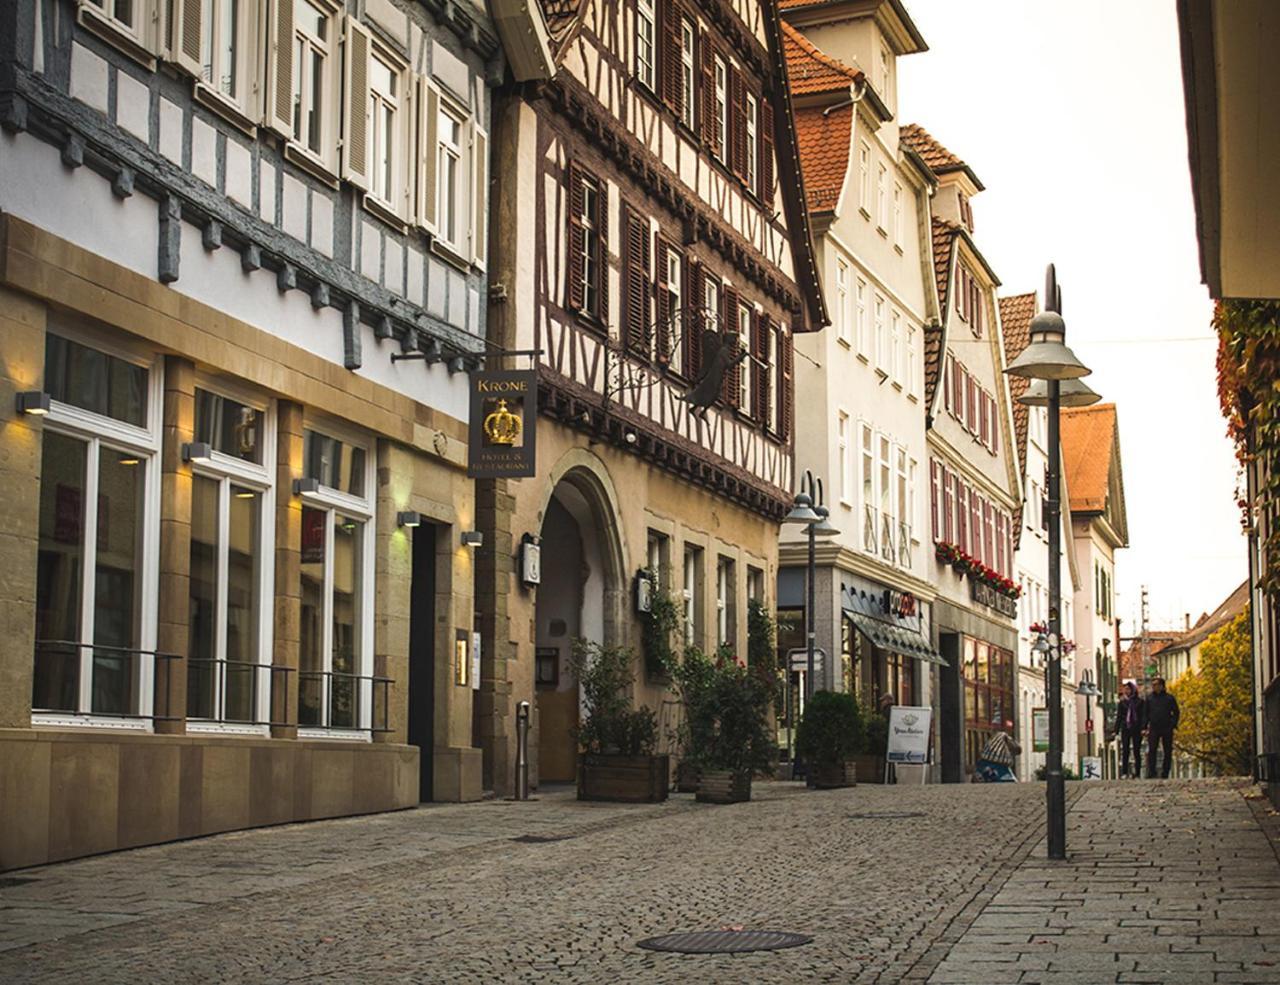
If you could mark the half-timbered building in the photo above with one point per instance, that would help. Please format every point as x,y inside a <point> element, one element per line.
<point>233,511</point>
<point>650,246</point>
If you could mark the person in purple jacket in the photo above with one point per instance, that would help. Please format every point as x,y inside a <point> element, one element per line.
<point>1131,719</point>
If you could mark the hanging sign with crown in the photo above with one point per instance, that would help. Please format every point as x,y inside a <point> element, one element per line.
<point>504,406</point>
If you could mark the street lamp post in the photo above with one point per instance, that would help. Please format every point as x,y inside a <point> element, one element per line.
<point>809,509</point>
<point>1089,689</point>
<point>1047,358</point>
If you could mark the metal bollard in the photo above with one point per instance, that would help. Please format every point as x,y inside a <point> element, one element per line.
<point>522,751</point>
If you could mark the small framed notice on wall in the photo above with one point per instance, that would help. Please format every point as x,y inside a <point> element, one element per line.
<point>462,658</point>
<point>546,670</point>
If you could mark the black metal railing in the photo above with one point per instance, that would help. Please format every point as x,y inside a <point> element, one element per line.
<point>333,699</point>
<point>221,691</point>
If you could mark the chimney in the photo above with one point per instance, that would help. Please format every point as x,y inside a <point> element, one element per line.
<point>1186,622</point>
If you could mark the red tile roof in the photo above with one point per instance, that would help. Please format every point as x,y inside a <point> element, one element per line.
<point>810,70</point>
<point>823,139</point>
<point>1088,442</point>
<point>938,158</point>
<point>944,238</point>
<point>1016,313</point>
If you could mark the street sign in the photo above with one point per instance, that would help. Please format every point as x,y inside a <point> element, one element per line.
<point>1090,767</point>
<point>1088,724</point>
<point>1039,729</point>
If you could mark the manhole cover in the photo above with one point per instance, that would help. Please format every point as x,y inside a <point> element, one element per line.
<point>724,941</point>
<point>9,881</point>
<point>885,815</point>
<point>540,839</point>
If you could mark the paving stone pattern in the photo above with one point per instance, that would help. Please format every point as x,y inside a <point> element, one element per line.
<point>959,893</point>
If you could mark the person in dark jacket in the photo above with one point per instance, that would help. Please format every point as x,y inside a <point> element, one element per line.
<point>1131,719</point>
<point>1162,719</point>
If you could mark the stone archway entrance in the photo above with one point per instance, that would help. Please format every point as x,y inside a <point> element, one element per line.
<point>579,597</point>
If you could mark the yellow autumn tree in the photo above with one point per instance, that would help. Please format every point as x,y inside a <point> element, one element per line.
<point>1215,701</point>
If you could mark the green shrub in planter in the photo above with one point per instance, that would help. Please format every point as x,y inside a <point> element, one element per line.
<point>831,730</point>
<point>726,714</point>
<point>611,726</point>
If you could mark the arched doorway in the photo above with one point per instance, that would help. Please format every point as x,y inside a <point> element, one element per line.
<point>579,597</point>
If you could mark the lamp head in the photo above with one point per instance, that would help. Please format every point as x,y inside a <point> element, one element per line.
<point>1071,393</point>
<point>824,527</point>
<point>802,511</point>
<point>1047,357</point>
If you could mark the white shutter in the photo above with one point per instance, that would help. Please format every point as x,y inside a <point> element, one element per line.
<point>185,40</point>
<point>479,195</point>
<point>355,103</point>
<point>428,131</point>
<point>280,68</point>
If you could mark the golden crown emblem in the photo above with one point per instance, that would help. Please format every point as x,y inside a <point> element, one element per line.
<point>501,426</point>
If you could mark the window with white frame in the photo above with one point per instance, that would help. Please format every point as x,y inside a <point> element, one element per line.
<point>882,198</point>
<point>711,301</point>
<point>897,214</point>
<point>913,469</point>
<point>747,390</point>
<point>230,612</point>
<point>687,68</point>
<point>644,42</point>
<point>864,178</point>
<point>725,616</point>
<point>336,637</point>
<point>845,455</point>
<point>860,319</point>
<point>673,286</point>
<point>450,203</point>
<point>658,557</point>
<point>913,366</point>
<point>222,43</point>
<point>842,300</point>
<point>689,591</point>
<point>884,494</point>
<point>313,58</point>
<point>882,337</point>
<point>886,74</point>
<point>98,545</point>
<point>771,411</point>
<point>721,108</point>
<point>867,455</point>
<point>896,347</point>
<point>128,17</point>
<point>755,584</point>
<point>384,131</point>
<point>902,503</point>
<point>752,126</point>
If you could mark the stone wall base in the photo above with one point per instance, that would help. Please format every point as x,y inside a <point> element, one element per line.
<point>65,794</point>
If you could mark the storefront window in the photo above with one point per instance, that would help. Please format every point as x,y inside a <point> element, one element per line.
<point>989,698</point>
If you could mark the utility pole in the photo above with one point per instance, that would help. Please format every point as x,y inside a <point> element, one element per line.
<point>1144,643</point>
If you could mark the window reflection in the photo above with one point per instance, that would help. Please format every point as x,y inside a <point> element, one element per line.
<point>94,381</point>
<point>334,463</point>
<point>59,571</point>
<point>118,568</point>
<point>311,653</point>
<point>229,426</point>
<point>347,536</point>
<point>202,671</point>
<point>242,605</point>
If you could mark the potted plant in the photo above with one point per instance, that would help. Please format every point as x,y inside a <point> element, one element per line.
<point>616,742</point>
<point>869,761</point>
<point>727,717</point>
<point>829,735</point>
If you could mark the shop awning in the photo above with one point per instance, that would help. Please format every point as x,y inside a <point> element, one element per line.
<point>895,638</point>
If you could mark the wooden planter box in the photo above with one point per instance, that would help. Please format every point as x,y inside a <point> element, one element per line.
<point>723,787</point>
<point>870,769</point>
<point>630,779</point>
<point>835,775</point>
<point>687,777</point>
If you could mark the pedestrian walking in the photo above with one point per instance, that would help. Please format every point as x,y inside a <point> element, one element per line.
<point>1131,719</point>
<point>1162,719</point>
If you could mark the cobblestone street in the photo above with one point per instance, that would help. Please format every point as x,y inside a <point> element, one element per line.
<point>1168,882</point>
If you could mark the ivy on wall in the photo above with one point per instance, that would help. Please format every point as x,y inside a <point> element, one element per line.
<point>1249,392</point>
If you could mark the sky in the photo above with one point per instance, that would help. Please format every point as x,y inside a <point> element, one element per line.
<point>1071,114</point>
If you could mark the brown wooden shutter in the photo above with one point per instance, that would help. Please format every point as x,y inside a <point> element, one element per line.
<point>731,389</point>
<point>786,413</point>
<point>670,44</point>
<point>760,368</point>
<point>707,100</point>
<point>577,248</point>
<point>600,222</point>
<point>694,323</point>
<point>737,124</point>
<point>662,319</point>
<point>636,285</point>
<point>765,170</point>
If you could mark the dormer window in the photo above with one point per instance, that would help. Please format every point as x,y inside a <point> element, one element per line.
<point>886,74</point>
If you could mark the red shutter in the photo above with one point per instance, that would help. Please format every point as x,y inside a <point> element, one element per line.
<point>707,100</point>
<point>957,386</point>
<point>636,285</point>
<point>946,382</point>
<point>670,43</point>
<point>663,312</point>
<point>731,391</point>
<point>760,367</point>
<point>737,123</point>
<point>786,413</point>
<point>766,152</point>
<point>577,241</point>
<point>691,319</point>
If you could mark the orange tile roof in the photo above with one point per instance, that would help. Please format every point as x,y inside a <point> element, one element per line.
<point>1088,441</point>
<point>1016,312</point>
<point>810,70</point>
<point>823,139</point>
<point>939,159</point>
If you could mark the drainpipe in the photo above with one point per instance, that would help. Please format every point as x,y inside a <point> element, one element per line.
<point>856,92</point>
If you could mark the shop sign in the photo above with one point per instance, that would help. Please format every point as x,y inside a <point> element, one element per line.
<point>984,594</point>
<point>1091,767</point>
<point>909,731</point>
<point>1039,729</point>
<point>504,408</point>
<point>899,604</point>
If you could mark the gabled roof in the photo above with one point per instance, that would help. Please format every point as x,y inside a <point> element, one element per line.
<point>1206,626</point>
<point>1088,441</point>
<point>938,158</point>
<point>944,238</point>
<point>812,71</point>
<point>1016,313</point>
